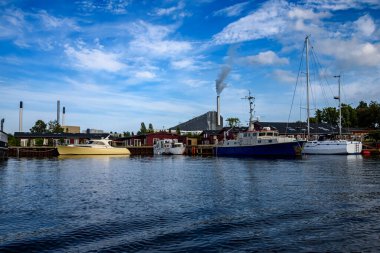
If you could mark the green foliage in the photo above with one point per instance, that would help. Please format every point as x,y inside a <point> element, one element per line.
<point>150,128</point>
<point>39,127</point>
<point>13,141</point>
<point>39,142</point>
<point>363,116</point>
<point>374,135</point>
<point>142,128</point>
<point>178,131</point>
<point>54,127</point>
<point>330,115</point>
<point>232,122</point>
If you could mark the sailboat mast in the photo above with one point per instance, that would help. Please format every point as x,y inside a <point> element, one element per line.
<point>307,87</point>
<point>339,107</point>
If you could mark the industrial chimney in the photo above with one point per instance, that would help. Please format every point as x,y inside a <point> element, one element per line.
<point>218,110</point>
<point>20,117</point>
<point>58,110</point>
<point>63,115</point>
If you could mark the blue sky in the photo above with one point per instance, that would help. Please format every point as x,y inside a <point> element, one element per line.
<point>114,64</point>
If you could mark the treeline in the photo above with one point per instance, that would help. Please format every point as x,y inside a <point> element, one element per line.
<point>363,116</point>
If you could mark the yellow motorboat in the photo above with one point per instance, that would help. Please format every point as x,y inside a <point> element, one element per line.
<point>93,147</point>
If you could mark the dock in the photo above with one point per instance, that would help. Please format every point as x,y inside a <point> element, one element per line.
<point>191,150</point>
<point>32,151</point>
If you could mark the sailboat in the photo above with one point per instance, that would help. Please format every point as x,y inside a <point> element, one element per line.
<point>327,147</point>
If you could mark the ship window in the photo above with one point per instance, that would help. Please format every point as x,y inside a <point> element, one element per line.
<point>261,134</point>
<point>269,141</point>
<point>245,134</point>
<point>259,141</point>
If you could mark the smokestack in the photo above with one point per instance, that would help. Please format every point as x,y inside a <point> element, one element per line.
<point>58,110</point>
<point>2,125</point>
<point>218,109</point>
<point>20,118</point>
<point>63,115</point>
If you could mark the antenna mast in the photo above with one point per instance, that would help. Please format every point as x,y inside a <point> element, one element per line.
<point>251,99</point>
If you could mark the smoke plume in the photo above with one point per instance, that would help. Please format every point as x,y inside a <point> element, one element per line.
<point>219,83</point>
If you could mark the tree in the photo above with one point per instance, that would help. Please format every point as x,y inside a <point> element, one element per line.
<point>143,128</point>
<point>349,116</point>
<point>178,131</point>
<point>39,127</point>
<point>55,127</point>
<point>151,130</point>
<point>374,113</point>
<point>232,122</point>
<point>330,115</point>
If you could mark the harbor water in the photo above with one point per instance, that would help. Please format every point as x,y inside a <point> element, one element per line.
<point>189,204</point>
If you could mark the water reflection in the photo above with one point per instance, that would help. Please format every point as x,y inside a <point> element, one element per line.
<point>100,157</point>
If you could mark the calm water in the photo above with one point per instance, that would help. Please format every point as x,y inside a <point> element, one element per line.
<point>190,204</point>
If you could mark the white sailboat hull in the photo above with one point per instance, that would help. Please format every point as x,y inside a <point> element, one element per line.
<point>332,147</point>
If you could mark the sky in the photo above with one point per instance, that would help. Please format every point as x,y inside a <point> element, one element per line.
<point>114,64</point>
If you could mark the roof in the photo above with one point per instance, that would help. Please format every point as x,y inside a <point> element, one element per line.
<point>28,135</point>
<point>300,128</point>
<point>205,121</point>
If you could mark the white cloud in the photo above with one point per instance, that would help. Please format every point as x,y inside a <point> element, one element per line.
<point>365,25</point>
<point>174,11</point>
<point>94,59</point>
<point>337,5</point>
<point>145,75</point>
<point>112,6</point>
<point>352,53</point>
<point>267,21</point>
<point>150,40</point>
<point>195,83</point>
<point>183,64</point>
<point>232,11</point>
<point>284,76</point>
<point>266,58</point>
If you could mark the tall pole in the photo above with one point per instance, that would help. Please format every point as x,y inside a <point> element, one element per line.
<point>20,117</point>
<point>58,110</point>
<point>339,106</point>
<point>251,126</point>
<point>307,86</point>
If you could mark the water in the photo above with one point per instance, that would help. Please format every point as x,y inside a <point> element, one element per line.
<point>190,204</point>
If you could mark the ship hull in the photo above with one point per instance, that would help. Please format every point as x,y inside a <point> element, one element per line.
<point>3,146</point>
<point>288,149</point>
<point>339,147</point>
<point>72,150</point>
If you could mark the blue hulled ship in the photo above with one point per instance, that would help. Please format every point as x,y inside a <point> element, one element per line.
<point>258,142</point>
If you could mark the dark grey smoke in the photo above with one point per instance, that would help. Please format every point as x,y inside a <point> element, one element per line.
<point>219,83</point>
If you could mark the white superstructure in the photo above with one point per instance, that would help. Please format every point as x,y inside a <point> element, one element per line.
<point>168,147</point>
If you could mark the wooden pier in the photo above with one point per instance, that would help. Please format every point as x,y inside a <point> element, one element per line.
<point>193,150</point>
<point>32,151</point>
<point>144,150</point>
<point>203,150</point>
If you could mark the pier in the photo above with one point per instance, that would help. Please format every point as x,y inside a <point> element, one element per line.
<point>192,150</point>
<point>32,151</point>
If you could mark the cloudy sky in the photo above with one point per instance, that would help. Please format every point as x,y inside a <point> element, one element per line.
<point>114,64</point>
